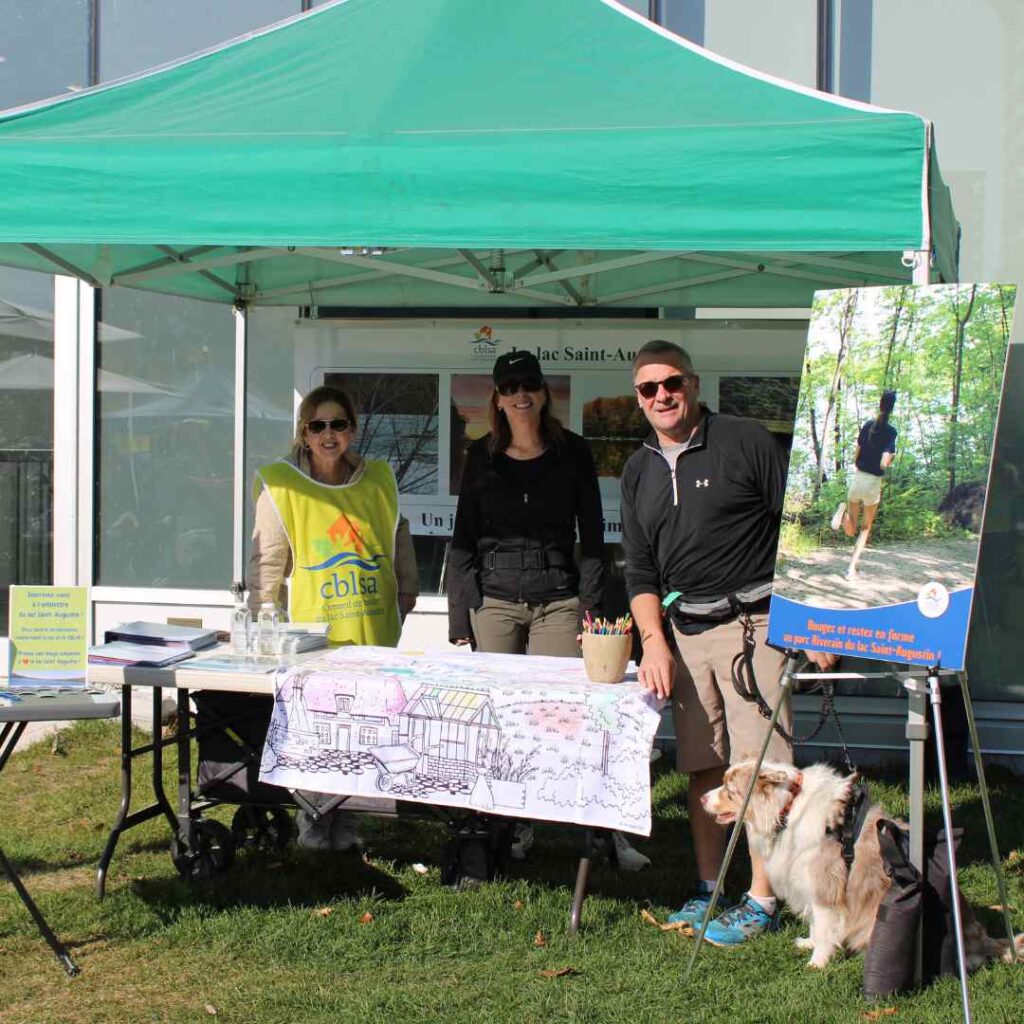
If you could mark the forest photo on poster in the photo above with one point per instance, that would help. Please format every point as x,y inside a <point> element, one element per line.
<point>890,462</point>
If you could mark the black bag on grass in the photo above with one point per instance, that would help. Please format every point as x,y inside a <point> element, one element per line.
<point>889,958</point>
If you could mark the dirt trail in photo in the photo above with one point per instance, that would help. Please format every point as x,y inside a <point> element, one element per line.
<point>887,573</point>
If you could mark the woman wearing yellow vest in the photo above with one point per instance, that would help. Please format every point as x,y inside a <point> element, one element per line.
<point>327,521</point>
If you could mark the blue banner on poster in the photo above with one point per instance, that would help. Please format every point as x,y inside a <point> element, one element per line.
<point>930,631</point>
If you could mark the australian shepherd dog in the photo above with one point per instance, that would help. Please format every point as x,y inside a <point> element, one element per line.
<point>791,821</point>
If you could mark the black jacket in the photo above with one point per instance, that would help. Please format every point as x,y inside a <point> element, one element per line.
<point>710,527</point>
<point>515,531</point>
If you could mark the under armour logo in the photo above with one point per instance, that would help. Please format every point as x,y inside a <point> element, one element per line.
<point>703,483</point>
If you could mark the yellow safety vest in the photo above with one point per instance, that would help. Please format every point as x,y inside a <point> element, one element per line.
<point>343,550</point>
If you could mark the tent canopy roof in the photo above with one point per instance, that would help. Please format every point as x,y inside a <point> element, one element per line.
<point>453,152</point>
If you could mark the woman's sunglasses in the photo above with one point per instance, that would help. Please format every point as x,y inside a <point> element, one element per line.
<point>530,383</point>
<point>673,385</point>
<point>339,426</point>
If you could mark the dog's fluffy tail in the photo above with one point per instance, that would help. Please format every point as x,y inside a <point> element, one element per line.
<point>1009,954</point>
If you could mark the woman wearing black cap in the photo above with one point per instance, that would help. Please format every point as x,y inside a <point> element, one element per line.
<point>876,448</point>
<point>513,583</point>
<point>514,586</point>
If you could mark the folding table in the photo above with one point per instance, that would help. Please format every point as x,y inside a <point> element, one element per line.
<point>183,819</point>
<point>45,706</point>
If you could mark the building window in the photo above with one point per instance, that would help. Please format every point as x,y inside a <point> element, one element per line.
<point>367,736</point>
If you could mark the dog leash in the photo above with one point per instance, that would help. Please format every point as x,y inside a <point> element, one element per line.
<point>744,681</point>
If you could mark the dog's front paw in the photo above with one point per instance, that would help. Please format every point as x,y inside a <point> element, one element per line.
<point>804,942</point>
<point>819,961</point>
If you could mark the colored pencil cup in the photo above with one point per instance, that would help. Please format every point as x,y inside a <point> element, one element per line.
<point>606,655</point>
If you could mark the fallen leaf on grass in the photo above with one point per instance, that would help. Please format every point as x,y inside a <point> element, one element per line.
<point>539,940</point>
<point>518,905</point>
<point>325,911</point>
<point>999,906</point>
<point>366,918</point>
<point>888,1011</point>
<point>211,1010</point>
<point>678,926</point>
<point>1015,862</point>
<point>561,972</point>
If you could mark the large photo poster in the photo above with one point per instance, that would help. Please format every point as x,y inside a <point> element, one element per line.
<point>890,463</point>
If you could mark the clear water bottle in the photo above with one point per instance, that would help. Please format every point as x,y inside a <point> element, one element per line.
<point>241,623</point>
<point>267,629</point>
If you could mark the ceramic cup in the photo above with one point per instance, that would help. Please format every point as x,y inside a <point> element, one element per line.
<point>605,656</point>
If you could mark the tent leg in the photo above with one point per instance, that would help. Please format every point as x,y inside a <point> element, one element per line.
<point>241,311</point>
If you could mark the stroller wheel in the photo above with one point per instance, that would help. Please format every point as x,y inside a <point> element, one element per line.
<point>263,828</point>
<point>212,852</point>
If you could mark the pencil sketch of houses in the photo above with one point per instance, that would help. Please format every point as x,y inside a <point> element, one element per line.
<point>454,731</point>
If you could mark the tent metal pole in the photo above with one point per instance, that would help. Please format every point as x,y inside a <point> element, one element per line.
<point>241,312</point>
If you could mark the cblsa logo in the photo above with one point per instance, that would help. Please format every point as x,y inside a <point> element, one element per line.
<point>485,342</point>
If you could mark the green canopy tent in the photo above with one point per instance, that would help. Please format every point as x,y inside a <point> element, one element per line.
<point>441,152</point>
<point>444,153</point>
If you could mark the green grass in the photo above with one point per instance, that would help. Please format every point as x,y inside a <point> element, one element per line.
<point>255,944</point>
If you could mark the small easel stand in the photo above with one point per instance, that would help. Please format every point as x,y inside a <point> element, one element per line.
<point>923,688</point>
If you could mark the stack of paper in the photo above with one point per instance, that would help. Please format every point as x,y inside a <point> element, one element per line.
<point>162,634</point>
<point>296,637</point>
<point>118,652</point>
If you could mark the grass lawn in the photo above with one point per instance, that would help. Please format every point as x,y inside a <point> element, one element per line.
<point>280,939</point>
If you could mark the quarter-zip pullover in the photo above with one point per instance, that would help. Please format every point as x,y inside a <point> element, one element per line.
<point>704,519</point>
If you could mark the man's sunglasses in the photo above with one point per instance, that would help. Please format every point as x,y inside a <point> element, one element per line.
<point>673,385</point>
<point>528,383</point>
<point>339,426</point>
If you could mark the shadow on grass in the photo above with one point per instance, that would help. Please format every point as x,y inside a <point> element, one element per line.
<point>295,878</point>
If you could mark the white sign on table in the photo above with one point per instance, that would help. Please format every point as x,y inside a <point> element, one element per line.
<point>528,737</point>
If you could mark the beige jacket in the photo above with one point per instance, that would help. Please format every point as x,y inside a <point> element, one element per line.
<point>270,555</point>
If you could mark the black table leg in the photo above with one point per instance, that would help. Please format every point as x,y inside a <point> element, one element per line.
<point>44,929</point>
<point>125,820</point>
<point>9,736</point>
<point>184,822</point>
<point>582,876</point>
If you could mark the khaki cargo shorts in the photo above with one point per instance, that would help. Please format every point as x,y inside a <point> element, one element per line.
<point>714,725</point>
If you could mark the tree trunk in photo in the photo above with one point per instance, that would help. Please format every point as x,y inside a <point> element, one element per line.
<point>958,368</point>
<point>846,314</point>
<point>894,325</point>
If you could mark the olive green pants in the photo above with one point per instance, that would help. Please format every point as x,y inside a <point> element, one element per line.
<point>514,627</point>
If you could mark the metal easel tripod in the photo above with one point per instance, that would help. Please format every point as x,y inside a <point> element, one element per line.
<point>923,688</point>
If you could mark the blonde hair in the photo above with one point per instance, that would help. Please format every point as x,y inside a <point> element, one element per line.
<point>308,406</point>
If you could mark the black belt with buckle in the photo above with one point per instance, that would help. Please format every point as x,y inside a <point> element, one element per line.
<point>534,558</point>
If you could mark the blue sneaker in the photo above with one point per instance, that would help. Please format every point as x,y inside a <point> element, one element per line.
<point>745,921</point>
<point>693,910</point>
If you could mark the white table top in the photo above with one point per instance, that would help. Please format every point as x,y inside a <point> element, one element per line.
<point>176,677</point>
<point>65,706</point>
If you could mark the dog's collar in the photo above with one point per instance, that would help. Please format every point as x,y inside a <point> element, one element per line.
<point>795,786</point>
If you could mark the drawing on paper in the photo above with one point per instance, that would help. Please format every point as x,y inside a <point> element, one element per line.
<point>451,729</point>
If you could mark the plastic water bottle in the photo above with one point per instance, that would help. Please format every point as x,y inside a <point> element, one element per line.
<point>267,629</point>
<point>241,622</point>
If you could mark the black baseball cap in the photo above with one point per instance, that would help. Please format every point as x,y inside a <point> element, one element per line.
<point>516,366</point>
